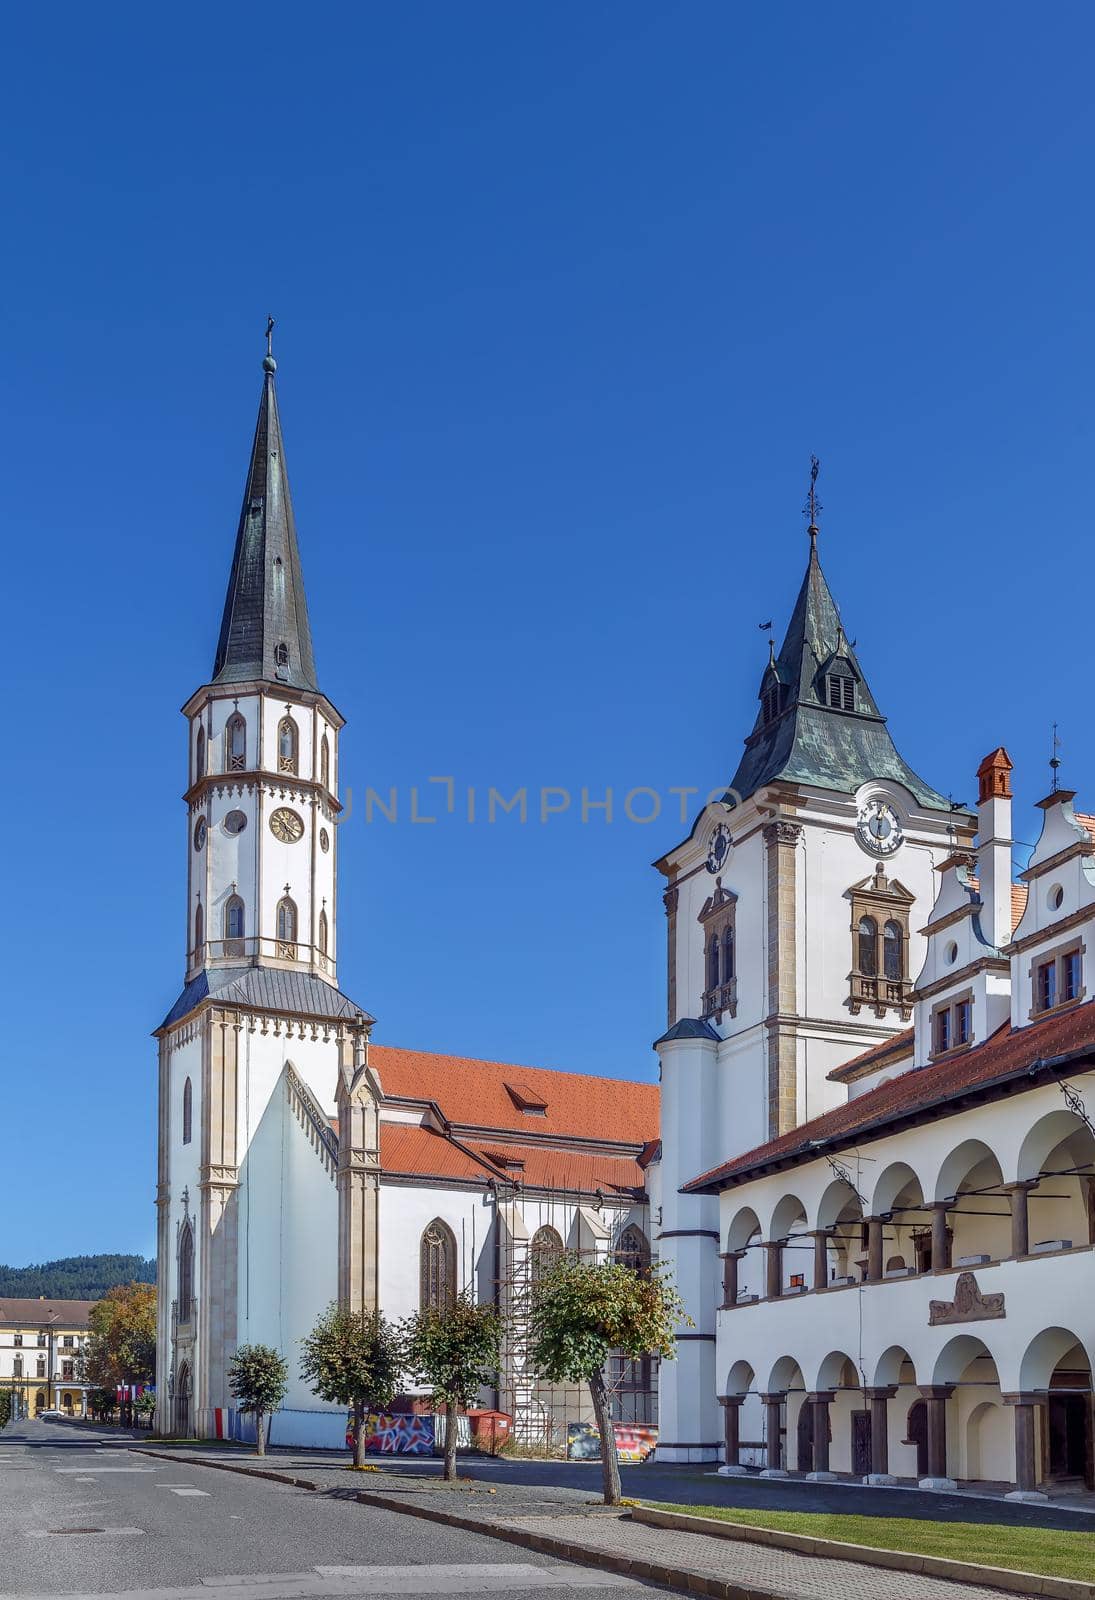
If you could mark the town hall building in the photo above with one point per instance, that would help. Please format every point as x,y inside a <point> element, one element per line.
<point>869,1163</point>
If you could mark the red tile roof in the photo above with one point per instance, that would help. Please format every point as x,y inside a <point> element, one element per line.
<point>411,1151</point>
<point>477,1094</point>
<point>896,1048</point>
<point>1008,1053</point>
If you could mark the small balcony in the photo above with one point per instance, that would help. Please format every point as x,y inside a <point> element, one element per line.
<point>720,1000</point>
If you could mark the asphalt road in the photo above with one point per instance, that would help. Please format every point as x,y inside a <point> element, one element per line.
<point>80,1514</point>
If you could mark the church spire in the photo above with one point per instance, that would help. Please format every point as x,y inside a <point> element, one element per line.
<point>818,722</point>
<point>264,630</point>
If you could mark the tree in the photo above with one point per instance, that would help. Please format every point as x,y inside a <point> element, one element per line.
<point>145,1406</point>
<point>456,1351</point>
<point>258,1377</point>
<point>584,1311</point>
<point>353,1358</point>
<point>121,1343</point>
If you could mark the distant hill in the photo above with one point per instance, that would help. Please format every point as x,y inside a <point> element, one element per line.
<point>75,1277</point>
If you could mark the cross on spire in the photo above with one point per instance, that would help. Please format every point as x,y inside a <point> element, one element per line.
<point>1055,760</point>
<point>813,504</point>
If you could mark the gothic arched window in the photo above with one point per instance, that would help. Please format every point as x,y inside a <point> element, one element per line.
<point>868,947</point>
<point>893,952</point>
<point>546,1246</point>
<point>199,754</point>
<point>633,1250</point>
<point>287,745</point>
<point>186,1273</point>
<point>325,763</point>
<point>199,932</point>
<point>188,1111</point>
<point>438,1260</point>
<point>281,657</point>
<point>233,918</point>
<point>323,933</point>
<point>235,743</point>
<point>287,928</point>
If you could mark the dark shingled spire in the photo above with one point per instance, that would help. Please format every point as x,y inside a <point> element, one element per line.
<point>264,630</point>
<point>798,735</point>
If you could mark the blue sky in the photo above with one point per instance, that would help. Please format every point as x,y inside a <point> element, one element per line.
<point>566,296</point>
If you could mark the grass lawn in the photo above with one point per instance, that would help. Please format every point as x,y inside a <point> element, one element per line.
<point>1048,1551</point>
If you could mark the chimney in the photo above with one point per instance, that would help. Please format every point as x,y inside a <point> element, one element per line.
<point>994,846</point>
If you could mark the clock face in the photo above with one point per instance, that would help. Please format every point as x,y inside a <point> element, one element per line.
<point>324,840</point>
<point>235,822</point>
<point>719,848</point>
<point>199,833</point>
<point>286,825</point>
<point>879,828</point>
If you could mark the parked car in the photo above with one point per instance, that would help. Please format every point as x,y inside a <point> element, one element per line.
<point>51,1415</point>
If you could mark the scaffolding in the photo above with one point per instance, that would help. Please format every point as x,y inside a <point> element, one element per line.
<point>544,1414</point>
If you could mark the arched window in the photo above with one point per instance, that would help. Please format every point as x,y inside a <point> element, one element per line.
<point>438,1259</point>
<point>868,947</point>
<point>728,954</point>
<point>199,933</point>
<point>893,952</point>
<point>287,928</point>
<point>233,920</point>
<point>199,754</point>
<point>546,1246</point>
<point>281,657</point>
<point>235,743</point>
<point>186,1273</point>
<point>188,1111</point>
<point>325,763</point>
<point>633,1250</point>
<point>323,933</point>
<point>713,962</point>
<point>287,745</point>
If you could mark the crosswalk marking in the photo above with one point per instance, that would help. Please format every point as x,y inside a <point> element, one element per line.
<point>429,1579</point>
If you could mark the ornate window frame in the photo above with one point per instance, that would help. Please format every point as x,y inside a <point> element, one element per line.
<point>718,919</point>
<point>287,927</point>
<point>874,983</point>
<point>288,745</point>
<point>235,751</point>
<point>437,1266</point>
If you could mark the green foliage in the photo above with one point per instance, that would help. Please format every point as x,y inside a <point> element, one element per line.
<point>101,1403</point>
<point>5,1407</point>
<point>121,1345</point>
<point>258,1377</point>
<point>455,1351</point>
<point>352,1358</point>
<point>145,1404</point>
<point>75,1277</point>
<point>584,1311</point>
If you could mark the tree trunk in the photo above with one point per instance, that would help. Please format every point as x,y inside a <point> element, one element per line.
<point>610,1461</point>
<point>260,1434</point>
<point>450,1443</point>
<point>359,1433</point>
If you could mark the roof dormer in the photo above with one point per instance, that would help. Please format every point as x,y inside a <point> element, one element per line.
<point>1053,943</point>
<point>962,991</point>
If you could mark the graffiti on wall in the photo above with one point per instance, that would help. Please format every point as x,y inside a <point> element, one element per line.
<point>635,1441</point>
<point>398,1434</point>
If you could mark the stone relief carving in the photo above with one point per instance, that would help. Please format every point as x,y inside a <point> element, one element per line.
<point>968,1305</point>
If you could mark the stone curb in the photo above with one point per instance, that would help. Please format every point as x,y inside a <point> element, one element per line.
<point>1024,1583</point>
<point>226,1466</point>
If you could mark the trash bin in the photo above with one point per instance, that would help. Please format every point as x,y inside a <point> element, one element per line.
<point>490,1430</point>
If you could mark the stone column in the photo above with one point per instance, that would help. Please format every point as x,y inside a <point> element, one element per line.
<point>730,1261</point>
<point>216,1247</point>
<point>358,1175</point>
<point>1026,1418</point>
<point>936,1397</point>
<point>874,1249</point>
<point>941,1248</point>
<point>1020,1222</point>
<point>880,1435</point>
<point>731,1424</point>
<point>773,1273</point>
<point>773,1407</point>
<point>821,1402</point>
<point>781,1023</point>
<point>821,1258</point>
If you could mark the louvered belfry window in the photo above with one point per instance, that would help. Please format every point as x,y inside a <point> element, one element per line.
<point>841,692</point>
<point>438,1267</point>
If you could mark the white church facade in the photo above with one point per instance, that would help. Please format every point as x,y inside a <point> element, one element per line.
<point>299,1162</point>
<point>869,1162</point>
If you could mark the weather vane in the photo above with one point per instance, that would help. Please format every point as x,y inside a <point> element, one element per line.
<point>1055,760</point>
<point>269,336</point>
<point>813,504</point>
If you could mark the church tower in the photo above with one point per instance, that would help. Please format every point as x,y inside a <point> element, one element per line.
<point>795,911</point>
<point>261,1031</point>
